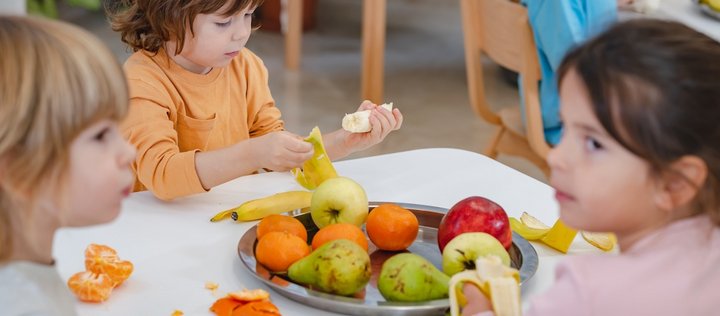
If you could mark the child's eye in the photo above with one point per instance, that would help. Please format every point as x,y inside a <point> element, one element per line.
<point>592,144</point>
<point>100,136</point>
<point>223,24</point>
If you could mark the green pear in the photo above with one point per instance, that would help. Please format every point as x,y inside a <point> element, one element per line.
<point>337,267</point>
<point>407,277</point>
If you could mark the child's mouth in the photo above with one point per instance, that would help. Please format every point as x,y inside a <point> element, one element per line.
<point>232,54</point>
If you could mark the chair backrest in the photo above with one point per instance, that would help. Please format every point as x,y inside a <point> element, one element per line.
<point>500,30</point>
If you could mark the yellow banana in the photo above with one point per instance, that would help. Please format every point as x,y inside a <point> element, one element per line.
<point>501,284</point>
<point>273,204</point>
<point>318,168</point>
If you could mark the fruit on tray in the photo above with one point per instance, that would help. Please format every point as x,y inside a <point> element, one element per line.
<point>318,168</point>
<point>359,122</point>
<point>713,4</point>
<point>500,283</point>
<point>391,227</point>
<point>281,223</point>
<point>278,250</point>
<point>245,302</point>
<point>340,231</point>
<point>407,277</point>
<point>338,267</point>
<point>339,200</point>
<point>104,259</point>
<point>273,204</point>
<point>462,252</point>
<point>91,287</point>
<point>559,236</point>
<point>475,214</point>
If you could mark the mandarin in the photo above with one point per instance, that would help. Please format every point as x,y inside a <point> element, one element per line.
<point>257,308</point>
<point>281,223</point>
<point>278,250</point>
<point>392,227</point>
<point>340,231</point>
<point>104,259</point>
<point>90,287</point>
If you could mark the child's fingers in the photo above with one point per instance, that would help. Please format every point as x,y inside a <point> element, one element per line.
<point>366,105</point>
<point>398,118</point>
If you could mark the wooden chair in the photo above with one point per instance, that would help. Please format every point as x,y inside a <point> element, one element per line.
<point>500,30</point>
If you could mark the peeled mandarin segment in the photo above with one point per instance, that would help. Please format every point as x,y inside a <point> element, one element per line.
<point>90,287</point>
<point>525,231</point>
<point>103,259</point>
<point>560,237</point>
<point>318,168</point>
<point>250,295</point>
<point>177,313</point>
<point>603,241</point>
<point>532,222</point>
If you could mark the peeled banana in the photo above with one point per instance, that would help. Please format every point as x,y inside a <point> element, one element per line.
<point>318,168</point>
<point>359,122</point>
<point>500,283</point>
<point>273,204</point>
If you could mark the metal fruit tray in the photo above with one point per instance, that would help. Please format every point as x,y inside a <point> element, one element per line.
<point>370,301</point>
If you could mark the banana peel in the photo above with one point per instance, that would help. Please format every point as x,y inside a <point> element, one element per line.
<point>559,236</point>
<point>318,168</point>
<point>498,282</point>
<point>273,204</point>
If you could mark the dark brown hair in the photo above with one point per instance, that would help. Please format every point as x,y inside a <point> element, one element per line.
<point>655,87</point>
<point>148,24</point>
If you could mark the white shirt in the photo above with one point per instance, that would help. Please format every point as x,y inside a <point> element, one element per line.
<point>28,288</point>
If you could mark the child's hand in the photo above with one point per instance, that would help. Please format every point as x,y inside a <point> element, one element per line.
<point>382,121</point>
<point>477,302</point>
<point>281,151</point>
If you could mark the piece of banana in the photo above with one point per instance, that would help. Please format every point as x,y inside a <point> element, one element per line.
<point>500,283</point>
<point>319,167</point>
<point>359,122</point>
<point>273,204</point>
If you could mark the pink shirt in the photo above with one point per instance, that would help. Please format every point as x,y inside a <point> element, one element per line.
<point>673,271</point>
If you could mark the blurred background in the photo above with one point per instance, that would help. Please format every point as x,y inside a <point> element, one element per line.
<point>424,71</point>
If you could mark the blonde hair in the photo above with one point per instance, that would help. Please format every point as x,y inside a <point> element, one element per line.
<point>56,80</point>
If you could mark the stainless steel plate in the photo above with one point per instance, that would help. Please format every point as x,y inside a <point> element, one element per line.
<point>370,302</point>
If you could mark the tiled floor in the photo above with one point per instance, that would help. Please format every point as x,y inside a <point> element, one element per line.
<point>424,74</point>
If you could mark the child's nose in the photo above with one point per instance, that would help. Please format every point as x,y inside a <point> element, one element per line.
<point>128,153</point>
<point>241,32</point>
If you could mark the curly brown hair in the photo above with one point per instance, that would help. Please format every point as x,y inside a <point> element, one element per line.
<point>655,87</point>
<point>148,24</point>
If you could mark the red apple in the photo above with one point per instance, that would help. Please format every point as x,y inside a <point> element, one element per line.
<point>475,214</point>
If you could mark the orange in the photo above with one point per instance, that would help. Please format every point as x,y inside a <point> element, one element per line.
<point>281,223</point>
<point>90,287</point>
<point>103,259</point>
<point>225,306</point>
<point>257,308</point>
<point>391,227</point>
<point>278,250</point>
<point>340,231</point>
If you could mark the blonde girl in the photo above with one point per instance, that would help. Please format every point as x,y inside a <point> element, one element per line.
<point>63,161</point>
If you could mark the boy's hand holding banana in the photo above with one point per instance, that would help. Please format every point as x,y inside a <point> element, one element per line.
<point>359,122</point>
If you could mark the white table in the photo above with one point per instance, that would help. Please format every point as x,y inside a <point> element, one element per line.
<point>686,12</point>
<point>176,249</point>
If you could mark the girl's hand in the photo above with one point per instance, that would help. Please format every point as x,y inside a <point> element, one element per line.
<point>477,302</point>
<point>280,151</point>
<point>382,122</point>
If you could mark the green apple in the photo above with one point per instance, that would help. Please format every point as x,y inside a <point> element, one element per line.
<point>339,200</point>
<point>462,251</point>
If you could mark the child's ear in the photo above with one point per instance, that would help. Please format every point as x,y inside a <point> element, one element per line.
<point>682,183</point>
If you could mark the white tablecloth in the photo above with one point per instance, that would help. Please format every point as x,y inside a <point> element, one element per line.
<point>176,250</point>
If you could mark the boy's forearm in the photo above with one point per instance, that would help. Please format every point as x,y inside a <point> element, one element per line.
<point>222,165</point>
<point>335,145</point>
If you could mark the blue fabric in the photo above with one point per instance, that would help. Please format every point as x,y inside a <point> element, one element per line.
<point>558,26</point>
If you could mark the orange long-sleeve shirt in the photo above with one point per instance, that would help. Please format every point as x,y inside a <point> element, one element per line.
<point>175,113</point>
